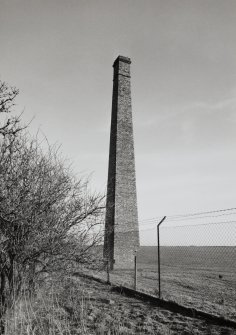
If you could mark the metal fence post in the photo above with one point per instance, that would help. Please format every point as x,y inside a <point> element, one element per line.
<point>108,271</point>
<point>159,256</point>
<point>135,270</point>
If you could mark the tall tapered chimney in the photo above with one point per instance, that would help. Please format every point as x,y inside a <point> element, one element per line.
<point>121,225</point>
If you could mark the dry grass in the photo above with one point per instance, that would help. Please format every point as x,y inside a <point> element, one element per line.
<point>40,315</point>
<point>67,308</point>
<point>73,306</point>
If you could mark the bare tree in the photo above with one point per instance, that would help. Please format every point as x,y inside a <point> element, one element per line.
<point>49,220</point>
<point>47,216</point>
<point>9,127</point>
<point>9,124</point>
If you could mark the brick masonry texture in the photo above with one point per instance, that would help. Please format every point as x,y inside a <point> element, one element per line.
<point>121,225</point>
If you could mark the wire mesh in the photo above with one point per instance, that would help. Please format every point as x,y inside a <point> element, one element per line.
<point>197,261</point>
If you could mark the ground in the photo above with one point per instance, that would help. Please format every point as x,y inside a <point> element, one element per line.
<point>203,278</point>
<point>107,312</point>
<point>200,278</point>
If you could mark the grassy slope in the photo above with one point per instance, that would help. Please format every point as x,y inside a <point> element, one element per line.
<point>82,306</point>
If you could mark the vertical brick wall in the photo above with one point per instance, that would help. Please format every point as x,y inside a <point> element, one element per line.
<point>121,227</point>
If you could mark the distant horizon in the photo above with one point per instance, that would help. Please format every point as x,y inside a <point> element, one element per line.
<point>190,246</point>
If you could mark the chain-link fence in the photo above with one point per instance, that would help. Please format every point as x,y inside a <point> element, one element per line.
<point>202,274</point>
<point>197,262</point>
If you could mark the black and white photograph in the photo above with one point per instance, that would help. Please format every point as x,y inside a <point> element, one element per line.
<point>118,167</point>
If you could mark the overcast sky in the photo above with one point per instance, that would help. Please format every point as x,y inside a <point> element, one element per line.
<point>59,53</point>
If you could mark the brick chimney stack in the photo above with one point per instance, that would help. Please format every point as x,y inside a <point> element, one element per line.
<point>121,225</point>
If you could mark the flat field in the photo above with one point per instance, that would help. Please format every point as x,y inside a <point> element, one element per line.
<point>199,277</point>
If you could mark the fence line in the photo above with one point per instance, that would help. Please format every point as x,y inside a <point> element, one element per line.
<point>196,266</point>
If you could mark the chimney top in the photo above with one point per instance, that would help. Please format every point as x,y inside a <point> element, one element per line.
<point>122,59</point>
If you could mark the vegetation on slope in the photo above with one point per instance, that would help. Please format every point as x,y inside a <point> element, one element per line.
<point>48,217</point>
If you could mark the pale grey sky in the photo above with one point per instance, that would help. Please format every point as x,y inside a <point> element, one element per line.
<point>59,53</point>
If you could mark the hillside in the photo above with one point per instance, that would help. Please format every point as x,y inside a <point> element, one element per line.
<point>84,306</point>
